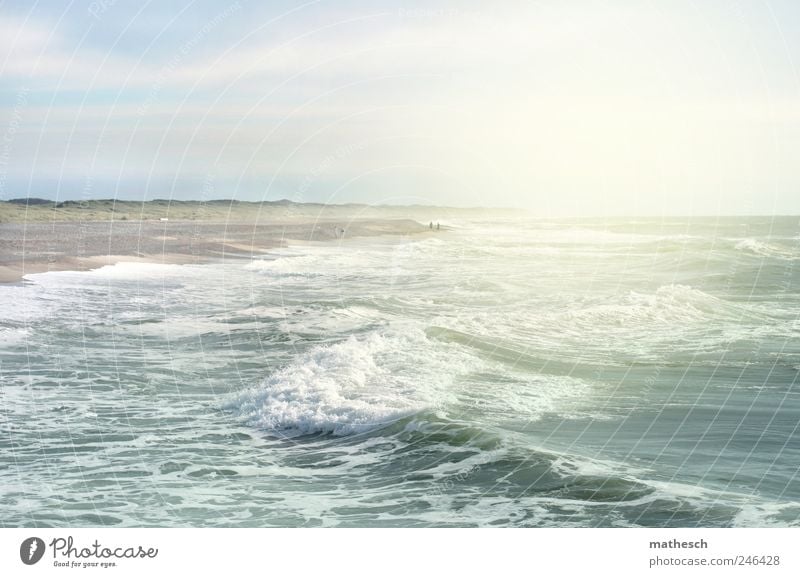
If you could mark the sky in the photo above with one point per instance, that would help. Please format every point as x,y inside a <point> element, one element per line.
<point>578,107</point>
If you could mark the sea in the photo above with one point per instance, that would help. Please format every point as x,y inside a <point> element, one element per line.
<point>497,372</point>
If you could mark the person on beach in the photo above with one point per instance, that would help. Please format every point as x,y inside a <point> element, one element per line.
<point>437,226</point>
<point>431,225</point>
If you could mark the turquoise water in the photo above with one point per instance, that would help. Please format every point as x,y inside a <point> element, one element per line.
<point>512,373</point>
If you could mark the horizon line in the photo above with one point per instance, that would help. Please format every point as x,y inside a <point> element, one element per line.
<point>39,201</point>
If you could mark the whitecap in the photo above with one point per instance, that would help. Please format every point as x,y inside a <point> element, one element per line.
<point>761,248</point>
<point>354,385</point>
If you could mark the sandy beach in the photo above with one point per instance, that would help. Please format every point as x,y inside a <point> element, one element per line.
<point>39,236</point>
<point>31,247</point>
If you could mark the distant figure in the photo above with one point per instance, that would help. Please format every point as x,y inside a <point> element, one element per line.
<point>431,225</point>
<point>437,226</point>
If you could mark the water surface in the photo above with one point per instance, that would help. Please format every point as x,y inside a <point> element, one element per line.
<point>512,373</point>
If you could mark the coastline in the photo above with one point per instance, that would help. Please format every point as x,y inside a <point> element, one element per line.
<point>36,247</point>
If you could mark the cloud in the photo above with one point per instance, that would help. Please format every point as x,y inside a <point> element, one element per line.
<point>530,100</point>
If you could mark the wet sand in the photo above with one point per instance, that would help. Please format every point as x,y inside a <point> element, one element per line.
<point>31,247</point>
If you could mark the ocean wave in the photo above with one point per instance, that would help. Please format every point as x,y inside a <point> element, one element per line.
<point>770,250</point>
<point>592,236</point>
<point>354,385</point>
<point>291,264</point>
<point>537,487</point>
<point>374,261</point>
<point>10,337</point>
<point>22,305</point>
<point>768,514</point>
<point>669,304</point>
<point>471,476</point>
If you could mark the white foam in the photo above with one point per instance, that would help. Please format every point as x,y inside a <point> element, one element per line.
<point>669,304</point>
<point>121,271</point>
<point>136,270</point>
<point>376,260</point>
<point>764,514</point>
<point>23,304</point>
<point>308,264</point>
<point>572,465</point>
<point>766,249</point>
<point>327,322</point>
<point>541,233</point>
<point>13,336</point>
<point>531,396</point>
<point>354,385</point>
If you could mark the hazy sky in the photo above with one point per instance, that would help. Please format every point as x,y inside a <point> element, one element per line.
<point>562,107</point>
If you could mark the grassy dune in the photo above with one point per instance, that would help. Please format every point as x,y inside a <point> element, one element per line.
<point>36,210</point>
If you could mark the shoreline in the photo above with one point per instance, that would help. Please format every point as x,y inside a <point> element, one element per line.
<point>37,247</point>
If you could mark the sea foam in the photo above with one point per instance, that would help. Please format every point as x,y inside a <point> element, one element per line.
<point>765,249</point>
<point>355,385</point>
